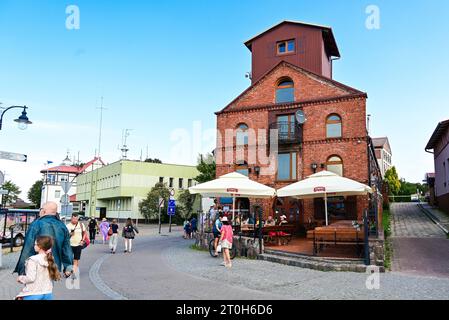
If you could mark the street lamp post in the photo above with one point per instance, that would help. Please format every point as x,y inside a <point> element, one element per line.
<point>22,121</point>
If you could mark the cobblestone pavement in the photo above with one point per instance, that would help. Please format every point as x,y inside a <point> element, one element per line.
<point>410,222</point>
<point>438,215</point>
<point>419,245</point>
<point>164,267</point>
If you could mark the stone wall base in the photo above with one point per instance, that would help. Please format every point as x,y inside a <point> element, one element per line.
<point>246,246</point>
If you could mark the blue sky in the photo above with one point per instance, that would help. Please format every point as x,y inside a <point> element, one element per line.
<point>167,65</point>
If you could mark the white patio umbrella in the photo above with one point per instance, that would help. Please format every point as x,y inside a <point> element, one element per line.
<point>323,184</point>
<point>233,184</point>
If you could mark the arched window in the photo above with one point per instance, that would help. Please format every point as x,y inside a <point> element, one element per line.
<point>285,90</point>
<point>242,134</point>
<point>242,167</point>
<point>335,164</point>
<point>333,126</point>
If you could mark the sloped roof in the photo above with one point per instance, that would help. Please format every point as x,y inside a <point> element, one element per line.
<point>381,142</point>
<point>350,90</point>
<point>87,165</point>
<point>73,169</point>
<point>437,134</point>
<point>328,35</point>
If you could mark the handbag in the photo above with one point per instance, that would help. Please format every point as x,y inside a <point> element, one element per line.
<point>110,232</point>
<point>86,240</point>
<point>219,247</point>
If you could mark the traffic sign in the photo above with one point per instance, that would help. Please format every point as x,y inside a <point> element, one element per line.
<point>172,203</point>
<point>65,199</point>
<point>161,202</point>
<point>171,211</point>
<point>4,191</point>
<point>65,185</point>
<point>13,156</point>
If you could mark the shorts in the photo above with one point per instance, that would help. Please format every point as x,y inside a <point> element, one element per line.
<point>77,252</point>
<point>225,244</point>
<point>217,235</point>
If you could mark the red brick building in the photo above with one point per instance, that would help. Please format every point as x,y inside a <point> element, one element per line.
<point>291,72</point>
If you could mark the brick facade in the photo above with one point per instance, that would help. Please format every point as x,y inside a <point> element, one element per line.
<point>318,97</point>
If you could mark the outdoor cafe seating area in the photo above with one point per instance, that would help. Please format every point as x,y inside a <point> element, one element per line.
<point>340,237</point>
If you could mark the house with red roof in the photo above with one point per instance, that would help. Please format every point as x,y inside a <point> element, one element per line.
<point>67,171</point>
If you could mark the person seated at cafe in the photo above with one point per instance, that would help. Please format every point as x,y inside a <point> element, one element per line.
<point>250,220</point>
<point>283,220</point>
<point>270,221</point>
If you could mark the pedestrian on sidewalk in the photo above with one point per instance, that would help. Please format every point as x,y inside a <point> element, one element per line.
<point>188,230</point>
<point>49,225</point>
<point>93,225</point>
<point>40,272</point>
<point>104,228</point>
<point>129,233</point>
<point>113,236</point>
<point>194,223</point>
<point>226,238</point>
<point>77,239</point>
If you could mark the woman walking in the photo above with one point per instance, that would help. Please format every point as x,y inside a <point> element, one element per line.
<point>129,233</point>
<point>40,272</point>
<point>113,239</point>
<point>226,241</point>
<point>104,228</point>
<point>93,225</point>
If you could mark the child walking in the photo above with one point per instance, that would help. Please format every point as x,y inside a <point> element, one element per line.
<point>226,241</point>
<point>40,272</point>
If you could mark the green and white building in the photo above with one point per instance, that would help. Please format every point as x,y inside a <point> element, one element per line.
<point>115,190</point>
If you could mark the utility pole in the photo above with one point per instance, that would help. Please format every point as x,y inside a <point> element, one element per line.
<point>101,108</point>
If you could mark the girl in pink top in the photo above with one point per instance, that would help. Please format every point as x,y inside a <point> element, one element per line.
<point>226,241</point>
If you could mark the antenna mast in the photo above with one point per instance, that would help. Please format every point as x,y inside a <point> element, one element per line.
<point>125,149</point>
<point>101,126</point>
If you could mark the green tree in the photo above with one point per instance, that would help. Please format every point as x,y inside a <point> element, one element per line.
<point>13,193</point>
<point>392,179</point>
<point>206,166</point>
<point>186,201</point>
<point>149,206</point>
<point>155,160</point>
<point>35,193</point>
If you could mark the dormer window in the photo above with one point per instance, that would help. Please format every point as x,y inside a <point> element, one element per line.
<point>286,46</point>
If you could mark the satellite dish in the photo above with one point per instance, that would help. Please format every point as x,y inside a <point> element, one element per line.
<point>300,117</point>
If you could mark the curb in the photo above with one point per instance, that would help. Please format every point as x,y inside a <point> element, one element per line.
<point>433,218</point>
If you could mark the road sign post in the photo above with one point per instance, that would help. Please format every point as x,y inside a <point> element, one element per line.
<point>161,203</point>
<point>171,211</point>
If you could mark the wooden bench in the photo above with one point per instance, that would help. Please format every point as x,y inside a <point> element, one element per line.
<point>335,236</point>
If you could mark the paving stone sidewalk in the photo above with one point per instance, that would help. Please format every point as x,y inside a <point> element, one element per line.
<point>410,222</point>
<point>419,246</point>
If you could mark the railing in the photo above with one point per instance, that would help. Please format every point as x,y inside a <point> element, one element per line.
<point>288,132</point>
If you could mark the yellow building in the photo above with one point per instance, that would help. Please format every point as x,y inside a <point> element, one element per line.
<point>115,190</point>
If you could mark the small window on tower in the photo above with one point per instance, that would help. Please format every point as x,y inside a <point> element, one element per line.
<point>286,46</point>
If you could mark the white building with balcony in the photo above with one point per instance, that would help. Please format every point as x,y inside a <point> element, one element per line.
<point>53,177</point>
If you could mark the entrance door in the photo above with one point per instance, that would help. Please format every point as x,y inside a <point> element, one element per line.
<point>102,213</point>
